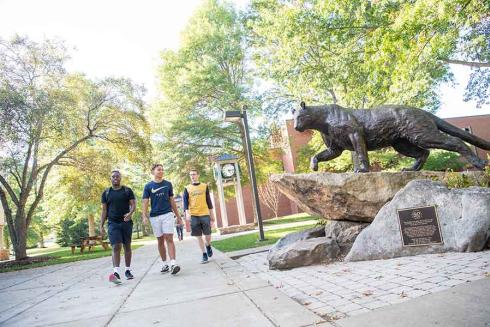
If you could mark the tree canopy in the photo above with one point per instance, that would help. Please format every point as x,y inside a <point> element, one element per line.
<point>365,53</point>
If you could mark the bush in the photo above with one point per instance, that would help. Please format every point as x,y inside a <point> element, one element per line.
<point>440,160</point>
<point>461,180</point>
<point>70,231</point>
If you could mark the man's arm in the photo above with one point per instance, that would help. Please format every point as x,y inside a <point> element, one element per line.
<point>144,211</point>
<point>210,204</point>
<point>103,217</point>
<point>175,210</point>
<point>132,208</point>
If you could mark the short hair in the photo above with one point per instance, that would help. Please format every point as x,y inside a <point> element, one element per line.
<point>195,170</point>
<point>155,166</point>
<point>115,171</point>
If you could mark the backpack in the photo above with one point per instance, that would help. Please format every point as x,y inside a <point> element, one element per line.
<point>108,191</point>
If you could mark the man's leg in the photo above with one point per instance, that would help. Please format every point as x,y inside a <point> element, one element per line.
<point>115,237</point>
<point>174,267</point>
<point>116,255</point>
<point>127,235</point>
<point>169,239</point>
<point>168,234</point>
<point>200,241</point>
<point>206,229</point>
<point>127,260</point>
<point>161,248</point>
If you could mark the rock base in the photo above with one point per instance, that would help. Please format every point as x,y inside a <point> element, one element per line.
<point>464,219</point>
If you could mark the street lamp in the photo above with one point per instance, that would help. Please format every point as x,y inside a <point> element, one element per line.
<point>240,118</point>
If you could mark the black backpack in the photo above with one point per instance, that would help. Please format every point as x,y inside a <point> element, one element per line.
<point>108,191</point>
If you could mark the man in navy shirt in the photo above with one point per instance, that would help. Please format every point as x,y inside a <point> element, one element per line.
<point>118,204</point>
<point>162,216</point>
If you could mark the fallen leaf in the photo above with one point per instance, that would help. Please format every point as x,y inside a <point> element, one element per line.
<point>402,294</point>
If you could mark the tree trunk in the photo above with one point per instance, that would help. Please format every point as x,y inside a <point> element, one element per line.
<point>20,248</point>
<point>41,240</point>
<point>137,231</point>
<point>91,225</point>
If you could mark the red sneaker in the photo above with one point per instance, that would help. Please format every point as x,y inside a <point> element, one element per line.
<point>114,278</point>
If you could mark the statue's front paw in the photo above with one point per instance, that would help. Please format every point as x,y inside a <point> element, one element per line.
<point>314,164</point>
<point>361,170</point>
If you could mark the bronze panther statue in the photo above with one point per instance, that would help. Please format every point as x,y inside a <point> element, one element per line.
<point>410,131</point>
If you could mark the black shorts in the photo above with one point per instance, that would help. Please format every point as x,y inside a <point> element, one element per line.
<point>120,232</point>
<point>200,225</point>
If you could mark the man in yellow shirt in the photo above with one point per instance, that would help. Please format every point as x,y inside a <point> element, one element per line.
<point>197,206</point>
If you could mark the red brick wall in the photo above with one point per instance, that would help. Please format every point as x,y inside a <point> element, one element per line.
<point>232,210</point>
<point>479,125</point>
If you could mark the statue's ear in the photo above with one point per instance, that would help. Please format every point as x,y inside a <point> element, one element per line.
<point>302,104</point>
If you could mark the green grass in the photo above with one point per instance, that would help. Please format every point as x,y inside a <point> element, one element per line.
<point>300,217</point>
<point>60,255</point>
<point>249,241</point>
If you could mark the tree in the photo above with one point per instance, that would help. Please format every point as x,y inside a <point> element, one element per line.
<point>206,76</point>
<point>270,194</point>
<point>365,53</point>
<point>45,115</point>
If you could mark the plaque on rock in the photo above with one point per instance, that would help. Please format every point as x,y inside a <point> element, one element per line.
<point>419,226</point>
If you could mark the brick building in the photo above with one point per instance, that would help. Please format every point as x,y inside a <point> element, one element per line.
<point>290,143</point>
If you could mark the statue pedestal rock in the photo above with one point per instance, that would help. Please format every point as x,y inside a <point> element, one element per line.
<point>463,214</point>
<point>346,196</point>
<point>352,201</point>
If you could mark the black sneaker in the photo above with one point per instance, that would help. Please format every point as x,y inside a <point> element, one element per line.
<point>128,274</point>
<point>174,269</point>
<point>209,251</point>
<point>165,269</point>
<point>204,258</point>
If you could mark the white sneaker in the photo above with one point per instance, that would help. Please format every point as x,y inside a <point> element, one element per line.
<point>165,269</point>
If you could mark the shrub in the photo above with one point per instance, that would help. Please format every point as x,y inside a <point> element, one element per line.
<point>70,231</point>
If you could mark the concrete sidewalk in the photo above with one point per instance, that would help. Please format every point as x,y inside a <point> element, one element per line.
<point>464,305</point>
<point>220,293</point>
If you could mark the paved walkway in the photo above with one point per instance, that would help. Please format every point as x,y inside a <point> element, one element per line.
<point>351,289</point>
<point>220,293</point>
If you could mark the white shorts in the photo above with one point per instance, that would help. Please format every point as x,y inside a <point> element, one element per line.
<point>163,224</point>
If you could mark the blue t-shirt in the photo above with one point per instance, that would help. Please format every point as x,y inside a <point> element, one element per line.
<point>159,195</point>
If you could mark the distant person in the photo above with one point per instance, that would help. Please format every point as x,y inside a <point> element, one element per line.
<point>197,206</point>
<point>179,227</point>
<point>118,205</point>
<point>163,208</point>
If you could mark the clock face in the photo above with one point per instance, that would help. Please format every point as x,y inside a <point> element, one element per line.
<point>228,170</point>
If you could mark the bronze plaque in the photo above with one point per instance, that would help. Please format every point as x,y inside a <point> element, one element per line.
<point>419,226</point>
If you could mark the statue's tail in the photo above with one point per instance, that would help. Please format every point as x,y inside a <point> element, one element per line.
<point>462,134</point>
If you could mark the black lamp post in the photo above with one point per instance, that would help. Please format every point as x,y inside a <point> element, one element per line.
<point>240,118</point>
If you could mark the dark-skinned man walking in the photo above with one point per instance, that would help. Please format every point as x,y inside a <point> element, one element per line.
<point>118,205</point>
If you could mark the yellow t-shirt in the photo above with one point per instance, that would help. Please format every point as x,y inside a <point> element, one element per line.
<point>197,199</point>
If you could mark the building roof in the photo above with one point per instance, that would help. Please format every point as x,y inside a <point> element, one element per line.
<point>225,157</point>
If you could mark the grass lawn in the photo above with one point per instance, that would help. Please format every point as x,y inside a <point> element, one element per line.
<point>299,217</point>
<point>57,256</point>
<point>248,241</point>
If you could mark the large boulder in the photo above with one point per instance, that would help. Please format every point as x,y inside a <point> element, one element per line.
<point>318,231</point>
<point>464,219</point>
<point>321,244</point>
<point>344,232</point>
<point>346,196</point>
<point>304,253</point>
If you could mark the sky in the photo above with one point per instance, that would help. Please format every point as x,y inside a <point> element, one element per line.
<point>124,38</point>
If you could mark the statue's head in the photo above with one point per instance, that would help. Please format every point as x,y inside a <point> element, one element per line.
<point>302,118</point>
